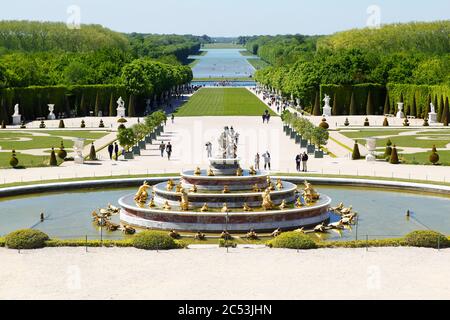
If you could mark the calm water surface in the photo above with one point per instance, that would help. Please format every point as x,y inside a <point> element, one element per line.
<point>381,213</point>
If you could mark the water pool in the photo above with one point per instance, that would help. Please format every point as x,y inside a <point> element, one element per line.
<point>381,212</point>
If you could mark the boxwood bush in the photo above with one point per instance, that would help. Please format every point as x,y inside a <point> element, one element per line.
<point>26,239</point>
<point>292,240</point>
<point>154,240</point>
<point>426,239</point>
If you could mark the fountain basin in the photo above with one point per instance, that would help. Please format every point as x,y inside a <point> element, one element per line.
<point>217,183</point>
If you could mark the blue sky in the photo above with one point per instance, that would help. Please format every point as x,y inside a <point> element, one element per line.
<point>228,17</point>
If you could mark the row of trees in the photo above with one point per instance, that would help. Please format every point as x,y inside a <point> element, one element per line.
<point>316,135</point>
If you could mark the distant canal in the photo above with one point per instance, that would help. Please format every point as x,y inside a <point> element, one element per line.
<point>222,63</point>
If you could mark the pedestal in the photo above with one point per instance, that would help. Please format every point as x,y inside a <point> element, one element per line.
<point>78,148</point>
<point>51,116</point>
<point>121,112</point>
<point>400,115</point>
<point>16,120</point>
<point>327,111</point>
<point>432,117</point>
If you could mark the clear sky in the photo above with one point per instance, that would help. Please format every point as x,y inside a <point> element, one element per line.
<point>229,17</point>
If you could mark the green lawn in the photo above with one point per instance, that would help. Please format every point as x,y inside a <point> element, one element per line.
<point>25,160</point>
<point>423,158</point>
<point>258,63</point>
<point>223,102</point>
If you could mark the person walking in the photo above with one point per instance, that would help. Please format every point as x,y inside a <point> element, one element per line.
<point>110,151</point>
<point>266,157</point>
<point>257,161</point>
<point>268,117</point>
<point>264,118</point>
<point>209,149</point>
<point>116,150</point>
<point>173,118</point>
<point>162,148</point>
<point>304,161</point>
<point>169,150</point>
<point>298,160</point>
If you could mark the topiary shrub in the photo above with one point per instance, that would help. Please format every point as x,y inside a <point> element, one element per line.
<point>121,126</point>
<point>26,239</point>
<point>385,122</point>
<point>292,240</point>
<point>53,161</point>
<point>346,123</point>
<point>22,125</point>
<point>426,239</point>
<point>61,124</point>
<point>425,123</point>
<point>62,154</point>
<point>14,162</point>
<point>42,125</point>
<point>394,156</point>
<point>324,124</point>
<point>122,120</point>
<point>101,125</point>
<point>388,150</point>
<point>434,157</point>
<point>406,122</point>
<point>92,153</point>
<point>227,244</point>
<point>154,240</point>
<point>3,124</point>
<point>355,154</point>
<point>366,122</point>
<point>83,124</point>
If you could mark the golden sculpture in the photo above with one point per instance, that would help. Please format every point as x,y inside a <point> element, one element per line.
<point>205,208</point>
<point>142,194</point>
<point>166,206</point>
<point>225,208</point>
<point>256,188</point>
<point>239,171</point>
<point>276,233</point>
<point>225,189</point>
<point>299,203</point>
<point>279,184</point>
<point>252,171</point>
<point>210,173</point>
<point>283,205</point>
<point>170,185</point>
<point>197,171</point>
<point>193,189</point>
<point>246,208</point>
<point>267,203</point>
<point>184,203</point>
<point>309,194</point>
<point>270,184</point>
<point>179,188</point>
<point>152,203</point>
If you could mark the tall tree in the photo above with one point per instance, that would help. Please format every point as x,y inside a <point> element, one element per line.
<point>112,112</point>
<point>83,109</point>
<point>440,109</point>
<point>369,106</point>
<point>97,105</point>
<point>445,113</point>
<point>413,110</point>
<point>316,110</point>
<point>353,105</point>
<point>387,104</point>
<point>335,110</point>
<point>131,111</point>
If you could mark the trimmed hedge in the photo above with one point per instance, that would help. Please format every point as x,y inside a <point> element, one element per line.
<point>26,239</point>
<point>292,240</point>
<point>89,243</point>
<point>362,243</point>
<point>426,239</point>
<point>154,240</point>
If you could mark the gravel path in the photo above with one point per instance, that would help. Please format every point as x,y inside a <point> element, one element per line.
<point>211,273</point>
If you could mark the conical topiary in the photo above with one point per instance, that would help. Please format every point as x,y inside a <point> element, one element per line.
<point>394,156</point>
<point>61,124</point>
<point>83,124</point>
<point>346,123</point>
<point>13,162</point>
<point>355,154</point>
<point>388,150</point>
<point>366,122</point>
<point>324,124</point>
<point>42,125</point>
<point>92,154</point>
<point>385,122</point>
<point>53,161</point>
<point>101,125</point>
<point>62,154</point>
<point>425,123</point>
<point>434,157</point>
<point>22,125</point>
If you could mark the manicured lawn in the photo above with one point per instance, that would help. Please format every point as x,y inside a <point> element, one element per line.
<point>423,158</point>
<point>91,135</point>
<point>371,133</point>
<point>25,160</point>
<point>258,63</point>
<point>223,102</point>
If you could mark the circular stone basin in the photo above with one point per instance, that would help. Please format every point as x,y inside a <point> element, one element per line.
<point>154,218</point>
<point>217,183</point>
<point>214,199</point>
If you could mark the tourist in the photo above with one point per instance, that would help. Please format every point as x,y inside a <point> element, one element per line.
<point>169,150</point>
<point>110,151</point>
<point>267,118</point>
<point>304,161</point>
<point>172,117</point>
<point>266,157</point>
<point>298,160</point>
<point>257,161</point>
<point>162,147</point>
<point>209,149</point>
<point>116,150</point>
<point>264,118</point>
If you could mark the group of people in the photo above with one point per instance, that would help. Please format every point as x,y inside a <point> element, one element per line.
<point>301,161</point>
<point>113,149</point>
<point>167,148</point>
<point>266,157</point>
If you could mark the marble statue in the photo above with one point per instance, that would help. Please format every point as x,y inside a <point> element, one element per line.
<point>327,107</point>
<point>78,147</point>
<point>400,114</point>
<point>16,117</point>
<point>227,142</point>
<point>120,108</point>
<point>432,116</point>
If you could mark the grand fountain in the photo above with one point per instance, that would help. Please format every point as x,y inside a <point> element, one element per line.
<point>224,197</point>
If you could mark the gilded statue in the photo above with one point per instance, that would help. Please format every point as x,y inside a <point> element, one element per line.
<point>142,194</point>
<point>166,206</point>
<point>309,194</point>
<point>197,171</point>
<point>152,203</point>
<point>225,208</point>
<point>193,189</point>
<point>279,184</point>
<point>170,185</point>
<point>239,172</point>
<point>252,171</point>
<point>283,205</point>
<point>184,203</point>
<point>226,189</point>
<point>205,208</point>
<point>256,188</point>
<point>210,173</point>
<point>246,208</point>
<point>267,203</point>
<point>179,188</point>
